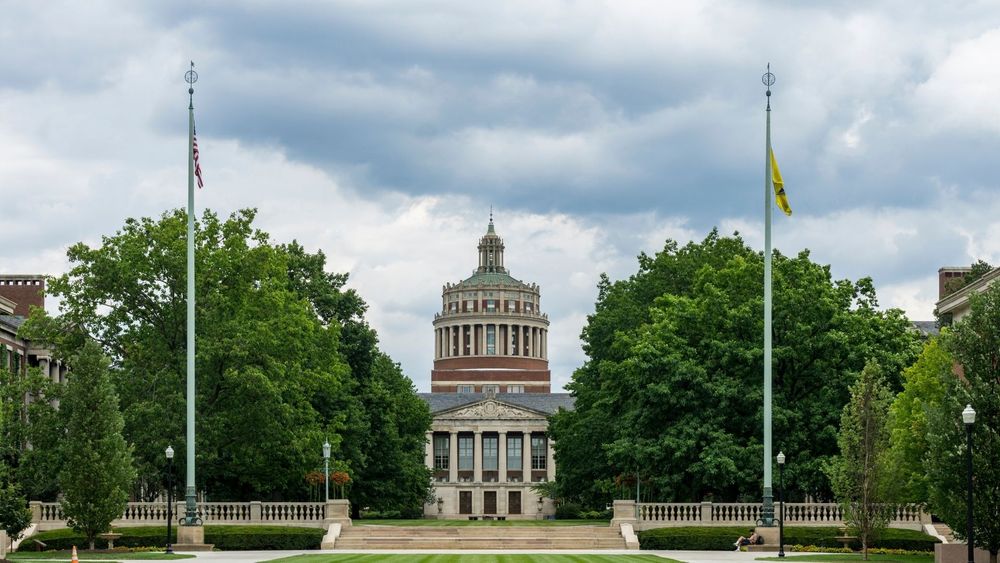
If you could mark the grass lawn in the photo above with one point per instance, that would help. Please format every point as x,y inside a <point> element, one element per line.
<point>427,522</point>
<point>472,558</point>
<point>84,555</point>
<point>929,558</point>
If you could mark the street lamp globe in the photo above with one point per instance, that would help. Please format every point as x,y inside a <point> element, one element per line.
<point>781,458</point>
<point>968,415</point>
<point>170,452</point>
<point>326,449</point>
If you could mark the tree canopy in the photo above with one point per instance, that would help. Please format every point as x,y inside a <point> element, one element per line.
<point>672,389</point>
<point>284,357</point>
<point>974,343</point>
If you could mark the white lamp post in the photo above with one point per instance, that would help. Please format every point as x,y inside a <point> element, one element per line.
<point>969,417</point>
<point>326,468</point>
<point>170,499</point>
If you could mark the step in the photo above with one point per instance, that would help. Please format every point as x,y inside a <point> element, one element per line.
<point>480,537</point>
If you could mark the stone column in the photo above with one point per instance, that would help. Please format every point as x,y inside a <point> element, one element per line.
<point>482,339</point>
<point>526,457</point>
<point>43,364</point>
<point>477,458</point>
<point>502,457</point>
<point>453,457</point>
<point>429,448</point>
<point>550,462</point>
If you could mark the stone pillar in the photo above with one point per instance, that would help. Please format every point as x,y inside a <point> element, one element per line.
<point>502,457</point>
<point>624,513</point>
<point>256,511</point>
<point>526,457</point>
<point>477,458</point>
<point>482,339</point>
<point>550,462</point>
<point>453,457</point>
<point>430,451</point>
<point>338,511</point>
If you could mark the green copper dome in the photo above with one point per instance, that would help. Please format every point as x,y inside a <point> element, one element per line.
<point>481,279</point>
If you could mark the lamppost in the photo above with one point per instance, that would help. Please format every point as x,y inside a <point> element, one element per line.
<point>781,503</point>
<point>969,417</point>
<point>326,468</point>
<point>170,498</point>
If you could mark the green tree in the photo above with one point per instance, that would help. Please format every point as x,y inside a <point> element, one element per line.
<point>15,517</point>
<point>384,445</point>
<point>860,475</point>
<point>923,389</point>
<point>34,421</point>
<point>974,343</point>
<point>284,359</point>
<point>672,387</point>
<point>98,473</point>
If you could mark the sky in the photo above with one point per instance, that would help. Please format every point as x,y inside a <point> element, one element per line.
<point>381,132</point>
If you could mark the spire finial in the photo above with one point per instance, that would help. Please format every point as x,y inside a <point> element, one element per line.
<point>491,213</point>
<point>768,80</point>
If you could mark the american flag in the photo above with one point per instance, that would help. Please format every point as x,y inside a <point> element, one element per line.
<point>197,166</point>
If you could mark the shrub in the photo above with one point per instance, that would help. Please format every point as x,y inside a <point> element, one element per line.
<point>596,515</point>
<point>704,538</point>
<point>223,537</point>
<point>567,511</point>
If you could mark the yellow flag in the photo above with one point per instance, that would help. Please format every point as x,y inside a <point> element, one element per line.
<point>779,186</point>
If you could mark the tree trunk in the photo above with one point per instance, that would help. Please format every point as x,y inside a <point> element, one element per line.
<point>993,557</point>
<point>91,544</point>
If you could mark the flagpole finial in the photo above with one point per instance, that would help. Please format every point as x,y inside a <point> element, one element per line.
<point>191,77</point>
<point>768,80</point>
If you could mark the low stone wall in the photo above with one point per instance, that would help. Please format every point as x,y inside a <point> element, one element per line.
<point>650,515</point>
<point>49,516</point>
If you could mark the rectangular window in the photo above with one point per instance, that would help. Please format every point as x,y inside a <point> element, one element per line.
<point>491,340</point>
<point>466,389</point>
<point>489,388</point>
<point>490,453</point>
<point>514,453</point>
<point>441,451</point>
<point>510,305</point>
<point>538,453</point>
<point>465,452</point>
<point>453,307</point>
<point>491,305</point>
<point>515,388</point>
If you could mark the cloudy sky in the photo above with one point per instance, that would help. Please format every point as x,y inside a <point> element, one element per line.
<point>381,132</point>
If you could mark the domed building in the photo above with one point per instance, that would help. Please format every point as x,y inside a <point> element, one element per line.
<point>491,395</point>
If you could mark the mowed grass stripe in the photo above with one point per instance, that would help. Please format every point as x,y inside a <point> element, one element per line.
<point>472,558</point>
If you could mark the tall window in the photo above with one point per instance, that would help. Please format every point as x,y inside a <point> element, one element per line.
<point>491,305</point>
<point>491,339</point>
<point>441,451</point>
<point>538,453</point>
<point>465,452</point>
<point>514,453</point>
<point>490,453</point>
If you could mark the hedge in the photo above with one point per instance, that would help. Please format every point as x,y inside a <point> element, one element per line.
<point>223,537</point>
<point>704,538</point>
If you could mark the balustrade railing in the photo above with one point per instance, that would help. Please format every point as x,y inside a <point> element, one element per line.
<point>674,514</point>
<point>48,515</point>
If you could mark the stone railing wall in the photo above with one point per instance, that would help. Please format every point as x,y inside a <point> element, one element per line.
<point>649,515</point>
<point>48,515</point>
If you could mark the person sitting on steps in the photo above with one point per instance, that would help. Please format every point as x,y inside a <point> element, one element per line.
<point>752,539</point>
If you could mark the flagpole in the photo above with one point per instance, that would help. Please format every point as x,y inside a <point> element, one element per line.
<point>767,510</point>
<point>191,507</point>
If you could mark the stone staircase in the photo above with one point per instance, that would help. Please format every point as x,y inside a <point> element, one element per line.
<point>944,531</point>
<point>480,537</point>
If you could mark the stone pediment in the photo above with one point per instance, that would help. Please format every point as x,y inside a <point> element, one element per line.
<point>490,409</point>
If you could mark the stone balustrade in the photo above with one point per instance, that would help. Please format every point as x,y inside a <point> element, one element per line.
<point>649,515</point>
<point>48,515</point>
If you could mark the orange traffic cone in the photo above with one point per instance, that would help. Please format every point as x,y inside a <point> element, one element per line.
<point>75,559</point>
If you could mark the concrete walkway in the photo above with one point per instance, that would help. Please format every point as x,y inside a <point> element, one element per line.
<point>686,556</point>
